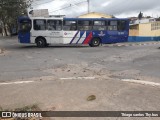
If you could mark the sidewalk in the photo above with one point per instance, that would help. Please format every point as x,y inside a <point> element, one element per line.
<point>126,44</point>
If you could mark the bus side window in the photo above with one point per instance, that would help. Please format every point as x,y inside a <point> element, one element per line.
<point>99,25</point>
<point>69,25</point>
<point>121,25</point>
<point>54,25</point>
<point>112,25</point>
<point>85,25</point>
<point>39,24</point>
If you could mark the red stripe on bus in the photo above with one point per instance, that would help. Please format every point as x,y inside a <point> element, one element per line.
<point>88,39</point>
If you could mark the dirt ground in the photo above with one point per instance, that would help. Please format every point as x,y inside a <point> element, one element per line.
<point>80,78</point>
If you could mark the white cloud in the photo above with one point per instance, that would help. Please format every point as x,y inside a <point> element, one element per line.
<point>119,8</point>
<point>106,4</point>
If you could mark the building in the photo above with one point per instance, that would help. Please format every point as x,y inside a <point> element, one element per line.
<point>134,21</point>
<point>95,15</point>
<point>38,13</point>
<point>146,31</point>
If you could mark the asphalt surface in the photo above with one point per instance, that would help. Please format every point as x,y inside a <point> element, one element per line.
<point>113,68</point>
<point>29,61</point>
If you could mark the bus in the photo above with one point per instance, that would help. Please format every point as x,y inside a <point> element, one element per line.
<point>86,31</point>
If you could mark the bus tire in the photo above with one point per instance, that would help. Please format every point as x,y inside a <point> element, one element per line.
<point>46,45</point>
<point>95,42</point>
<point>41,42</point>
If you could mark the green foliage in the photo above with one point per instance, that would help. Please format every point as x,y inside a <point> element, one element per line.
<point>140,15</point>
<point>1,108</point>
<point>33,107</point>
<point>10,10</point>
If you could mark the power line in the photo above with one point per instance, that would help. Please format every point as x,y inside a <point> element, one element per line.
<point>42,3</point>
<point>68,6</point>
<point>76,2</point>
<point>65,7</point>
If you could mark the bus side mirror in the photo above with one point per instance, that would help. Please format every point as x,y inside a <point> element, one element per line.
<point>31,12</point>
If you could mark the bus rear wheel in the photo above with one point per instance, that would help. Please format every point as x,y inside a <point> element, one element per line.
<point>41,43</point>
<point>95,42</point>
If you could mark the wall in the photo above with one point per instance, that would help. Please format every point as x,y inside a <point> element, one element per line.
<point>134,30</point>
<point>146,32</point>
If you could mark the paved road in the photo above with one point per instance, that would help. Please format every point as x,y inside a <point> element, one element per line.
<point>26,61</point>
<point>121,77</point>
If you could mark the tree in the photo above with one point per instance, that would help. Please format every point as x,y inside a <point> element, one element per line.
<point>140,16</point>
<point>9,12</point>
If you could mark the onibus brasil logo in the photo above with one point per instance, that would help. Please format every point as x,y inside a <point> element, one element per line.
<point>21,115</point>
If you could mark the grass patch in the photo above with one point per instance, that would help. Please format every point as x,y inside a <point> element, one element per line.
<point>1,108</point>
<point>33,107</point>
<point>2,50</point>
<point>91,98</point>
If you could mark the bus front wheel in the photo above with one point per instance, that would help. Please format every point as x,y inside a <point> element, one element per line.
<point>41,42</point>
<point>95,42</point>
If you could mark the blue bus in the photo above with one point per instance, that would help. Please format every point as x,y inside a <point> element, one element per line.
<point>86,31</point>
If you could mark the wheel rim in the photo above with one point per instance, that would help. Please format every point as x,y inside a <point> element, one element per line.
<point>40,42</point>
<point>96,42</point>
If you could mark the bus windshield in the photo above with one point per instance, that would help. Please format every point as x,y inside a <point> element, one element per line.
<point>25,26</point>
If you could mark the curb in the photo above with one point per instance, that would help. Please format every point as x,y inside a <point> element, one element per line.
<point>132,44</point>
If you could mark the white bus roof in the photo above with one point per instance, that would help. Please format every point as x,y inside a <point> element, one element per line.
<point>46,18</point>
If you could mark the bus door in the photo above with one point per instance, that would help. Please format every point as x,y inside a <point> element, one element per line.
<point>116,31</point>
<point>24,31</point>
<point>123,30</point>
<point>112,31</point>
<point>55,33</point>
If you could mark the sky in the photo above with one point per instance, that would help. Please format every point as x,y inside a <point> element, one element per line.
<point>118,8</point>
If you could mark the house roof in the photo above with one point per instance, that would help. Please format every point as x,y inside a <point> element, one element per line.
<point>95,15</point>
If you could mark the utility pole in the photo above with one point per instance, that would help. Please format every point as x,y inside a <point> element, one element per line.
<point>88,6</point>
